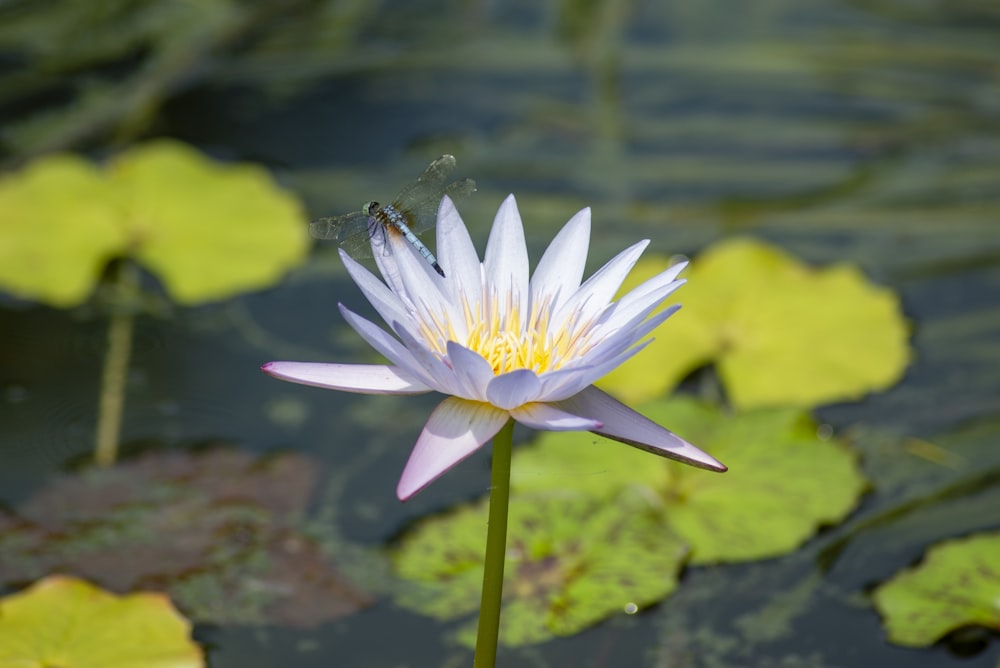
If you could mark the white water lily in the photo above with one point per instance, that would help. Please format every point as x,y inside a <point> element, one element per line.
<point>502,345</point>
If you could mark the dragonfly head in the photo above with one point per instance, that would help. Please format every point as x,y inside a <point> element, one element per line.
<point>371,208</point>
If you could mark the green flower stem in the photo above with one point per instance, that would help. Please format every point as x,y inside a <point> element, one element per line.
<point>496,550</point>
<point>119,348</point>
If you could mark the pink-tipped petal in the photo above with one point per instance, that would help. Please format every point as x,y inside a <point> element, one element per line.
<point>455,430</point>
<point>549,418</point>
<point>360,378</point>
<point>621,423</point>
<point>514,389</point>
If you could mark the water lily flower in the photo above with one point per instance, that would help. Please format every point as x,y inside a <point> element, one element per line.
<point>501,345</point>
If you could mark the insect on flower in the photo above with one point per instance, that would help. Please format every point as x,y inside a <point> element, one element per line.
<point>413,211</point>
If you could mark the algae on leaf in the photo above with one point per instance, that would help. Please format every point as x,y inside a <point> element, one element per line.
<point>571,562</point>
<point>69,623</point>
<point>957,584</point>
<point>781,333</point>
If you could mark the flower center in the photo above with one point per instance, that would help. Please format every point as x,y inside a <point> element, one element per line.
<point>508,350</point>
<point>497,331</point>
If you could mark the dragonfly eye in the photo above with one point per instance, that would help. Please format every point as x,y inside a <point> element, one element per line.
<point>372,208</point>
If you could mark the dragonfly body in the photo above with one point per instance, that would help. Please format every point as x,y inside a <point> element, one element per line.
<point>389,220</point>
<point>414,210</point>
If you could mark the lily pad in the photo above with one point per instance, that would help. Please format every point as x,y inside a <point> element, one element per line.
<point>570,563</point>
<point>59,226</point>
<point>781,333</point>
<point>784,481</point>
<point>958,584</point>
<point>66,622</point>
<point>208,230</point>
<point>220,531</point>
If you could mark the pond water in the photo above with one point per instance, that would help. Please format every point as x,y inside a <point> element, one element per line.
<point>859,131</point>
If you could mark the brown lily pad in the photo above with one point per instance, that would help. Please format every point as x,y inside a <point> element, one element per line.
<point>217,530</point>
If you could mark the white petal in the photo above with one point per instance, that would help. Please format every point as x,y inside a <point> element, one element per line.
<point>421,284</point>
<point>384,300</point>
<point>562,384</point>
<point>621,423</point>
<point>458,256</point>
<point>360,378</point>
<point>513,389</point>
<point>378,339</point>
<point>506,261</point>
<point>652,288</point>
<point>549,418</point>
<point>455,430</point>
<point>388,265</point>
<point>560,270</point>
<point>627,335</point>
<point>472,371</point>
<point>598,290</point>
<point>438,374</point>
<point>635,302</point>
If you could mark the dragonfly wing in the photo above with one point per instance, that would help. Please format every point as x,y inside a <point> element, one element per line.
<point>423,215</point>
<point>352,231</point>
<point>419,201</point>
<point>432,180</point>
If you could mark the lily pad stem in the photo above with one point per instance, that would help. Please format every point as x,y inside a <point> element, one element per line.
<point>496,550</point>
<point>116,357</point>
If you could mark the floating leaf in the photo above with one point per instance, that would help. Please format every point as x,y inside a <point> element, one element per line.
<point>958,584</point>
<point>218,530</point>
<point>208,230</point>
<point>59,226</point>
<point>68,623</point>
<point>783,334</point>
<point>570,563</point>
<point>783,480</point>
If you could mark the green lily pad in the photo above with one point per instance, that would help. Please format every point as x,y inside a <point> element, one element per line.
<point>69,623</point>
<point>956,585</point>
<point>570,563</point>
<point>781,333</point>
<point>784,481</point>
<point>207,230</point>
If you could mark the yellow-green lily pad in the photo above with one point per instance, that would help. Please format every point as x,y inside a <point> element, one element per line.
<point>781,333</point>
<point>68,623</point>
<point>571,562</point>
<point>956,585</point>
<point>784,481</point>
<point>59,226</point>
<point>207,230</point>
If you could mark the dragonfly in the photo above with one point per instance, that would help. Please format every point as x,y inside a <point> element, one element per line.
<point>414,210</point>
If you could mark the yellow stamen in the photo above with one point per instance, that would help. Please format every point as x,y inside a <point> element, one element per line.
<point>506,340</point>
